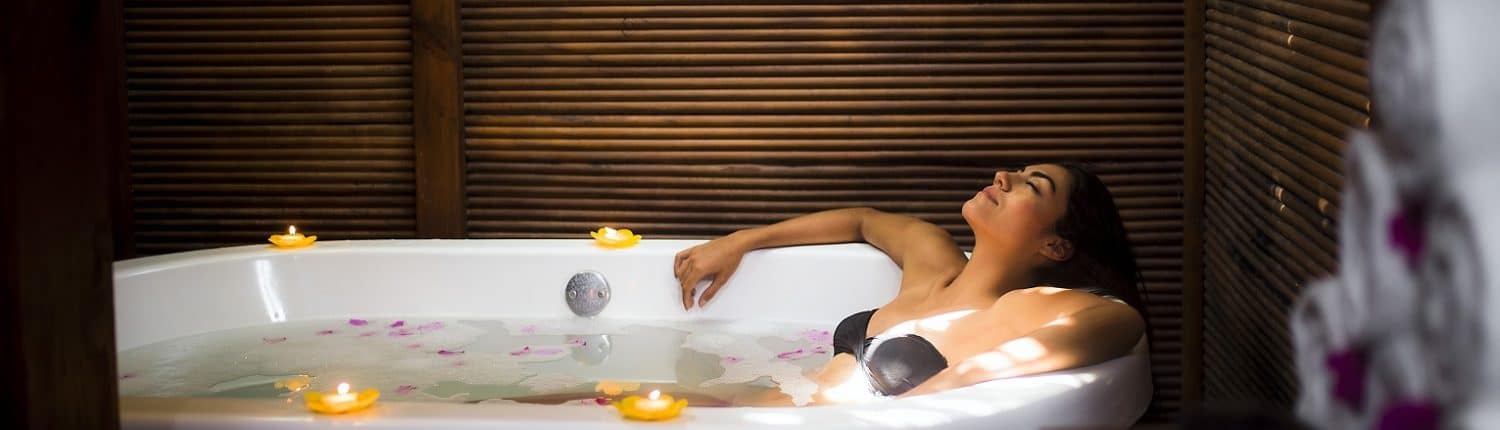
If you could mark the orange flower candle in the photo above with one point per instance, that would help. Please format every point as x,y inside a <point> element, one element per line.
<point>615,239</point>
<point>342,402</point>
<point>292,239</point>
<point>654,407</point>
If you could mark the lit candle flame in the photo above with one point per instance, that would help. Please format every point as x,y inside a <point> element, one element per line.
<point>611,233</point>
<point>291,230</point>
<point>655,394</point>
<point>343,388</point>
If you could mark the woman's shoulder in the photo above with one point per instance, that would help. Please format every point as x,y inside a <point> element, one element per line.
<point>1052,298</point>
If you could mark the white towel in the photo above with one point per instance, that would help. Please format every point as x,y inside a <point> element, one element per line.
<point>1459,298</point>
<point>1401,73</point>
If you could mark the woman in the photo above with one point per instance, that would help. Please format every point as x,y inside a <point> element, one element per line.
<point>959,321</point>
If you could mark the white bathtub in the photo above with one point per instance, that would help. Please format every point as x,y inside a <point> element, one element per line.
<point>164,297</point>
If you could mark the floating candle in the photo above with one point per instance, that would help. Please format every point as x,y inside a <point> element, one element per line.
<point>654,407</point>
<point>292,239</point>
<point>615,239</point>
<point>342,402</point>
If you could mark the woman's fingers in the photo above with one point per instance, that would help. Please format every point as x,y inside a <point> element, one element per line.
<point>688,283</point>
<point>713,288</point>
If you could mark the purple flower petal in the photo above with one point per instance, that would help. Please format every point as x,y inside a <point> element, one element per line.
<point>1409,415</point>
<point>401,332</point>
<point>325,332</point>
<point>578,341</point>
<point>1348,367</point>
<point>449,353</point>
<point>820,349</point>
<point>405,389</point>
<point>271,340</point>
<point>792,355</point>
<point>358,322</point>
<point>523,351</point>
<point>398,323</point>
<point>601,400</point>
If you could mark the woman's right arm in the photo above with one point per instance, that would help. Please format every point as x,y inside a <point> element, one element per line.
<point>918,247</point>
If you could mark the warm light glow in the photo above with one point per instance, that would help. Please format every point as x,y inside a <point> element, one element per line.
<point>612,238</point>
<point>1024,349</point>
<point>343,388</point>
<point>291,230</point>
<point>655,395</point>
<point>612,234</point>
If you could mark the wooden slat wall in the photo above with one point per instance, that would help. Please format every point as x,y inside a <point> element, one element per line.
<point>1285,81</point>
<point>247,116</point>
<point>696,118</point>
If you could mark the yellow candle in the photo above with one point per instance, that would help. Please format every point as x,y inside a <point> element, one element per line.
<point>292,239</point>
<point>652,408</point>
<point>615,239</point>
<point>341,402</point>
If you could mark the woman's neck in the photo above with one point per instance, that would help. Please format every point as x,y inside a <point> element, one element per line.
<point>986,277</point>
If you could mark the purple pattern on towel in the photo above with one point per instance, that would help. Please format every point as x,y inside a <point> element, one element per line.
<point>1407,235</point>
<point>358,322</point>
<point>1409,415</point>
<point>1348,367</point>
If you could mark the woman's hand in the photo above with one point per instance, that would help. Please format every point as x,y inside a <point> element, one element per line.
<point>717,258</point>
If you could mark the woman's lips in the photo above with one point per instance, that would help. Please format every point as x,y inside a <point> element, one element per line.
<point>989,193</point>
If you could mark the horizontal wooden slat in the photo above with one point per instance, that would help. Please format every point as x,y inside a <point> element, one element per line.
<point>892,94</point>
<point>840,70</point>
<point>783,47</point>
<point>817,22</point>
<point>480,10</point>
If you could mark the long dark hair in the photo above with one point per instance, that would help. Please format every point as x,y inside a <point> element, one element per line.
<point>1102,257</point>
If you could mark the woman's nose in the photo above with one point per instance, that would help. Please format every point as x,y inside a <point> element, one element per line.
<point>1002,180</point>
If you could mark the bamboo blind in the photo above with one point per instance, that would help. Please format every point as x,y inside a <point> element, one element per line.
<point>1285,81</point>
<point>247,116</point>
<point>693,119</point>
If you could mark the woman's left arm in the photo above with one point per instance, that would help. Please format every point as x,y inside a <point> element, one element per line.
<point>1093,334</point>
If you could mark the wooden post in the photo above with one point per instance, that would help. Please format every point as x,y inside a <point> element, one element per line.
<point>437,110</point>
<point>61,125</point>
<point>1192,204</point>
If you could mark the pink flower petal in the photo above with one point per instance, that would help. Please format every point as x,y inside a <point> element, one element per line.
<point>601,400</point>
<point>818,336</point>
<point>358,322</point>
<point>401,332</point>
<point>414,346</point>
<point>271,340</point>
<point>578,342</point>
<point>398,323</point>
<point>792,355</point>
<point>523,351</point>
<point>820,349</point>
<point>325,332</point>
<point>449,353</point>
<point>430,326</point>
<point>730,359</point>
<point>405,389</point>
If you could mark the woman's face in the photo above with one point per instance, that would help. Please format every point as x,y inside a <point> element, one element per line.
<point>1019,210</point>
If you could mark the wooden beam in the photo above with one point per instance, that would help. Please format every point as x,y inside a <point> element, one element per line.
<point>61,124</point>
<point>1192,203</point>
<point>437,110</point>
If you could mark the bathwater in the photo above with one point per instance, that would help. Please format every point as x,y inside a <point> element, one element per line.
<point>561,361</point>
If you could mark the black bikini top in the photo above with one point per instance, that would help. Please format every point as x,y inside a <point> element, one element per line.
<point>894,365</point>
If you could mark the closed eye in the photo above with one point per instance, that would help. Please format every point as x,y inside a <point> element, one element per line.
<point>1034,188</point>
